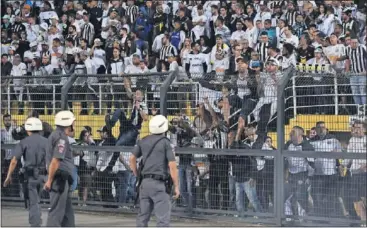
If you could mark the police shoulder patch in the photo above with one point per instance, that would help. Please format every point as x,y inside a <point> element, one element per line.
<point>61,146</point>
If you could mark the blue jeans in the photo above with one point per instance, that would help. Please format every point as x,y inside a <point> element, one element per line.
<point>75,179</point>
<point>131,194</point>
<point>127,137</point>
<point>186,184</point>
<point>123,178</point>
<point>358,86</point>
<point>232,192</point>
<point>243,188</point>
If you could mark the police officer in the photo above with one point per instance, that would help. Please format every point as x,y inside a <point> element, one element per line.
<point>159,165</point>
<point>60,166</point>
<point>33,150</point>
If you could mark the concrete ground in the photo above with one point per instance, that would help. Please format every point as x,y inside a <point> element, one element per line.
<point>18,217</point>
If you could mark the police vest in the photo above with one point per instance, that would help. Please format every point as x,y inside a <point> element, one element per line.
<point>176,39</point>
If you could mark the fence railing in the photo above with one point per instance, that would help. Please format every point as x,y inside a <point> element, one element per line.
<point>258,185</point>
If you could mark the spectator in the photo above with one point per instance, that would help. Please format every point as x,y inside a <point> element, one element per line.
<point>319,91</point>
<point>357,144</point>
<point>299,169</point>
<point>19,69</point>
<point>357,55</point>
<point>350,26</point>
<point>262,47</point>
<point>324,181</point>
<point>129,128</point>
<point>123,175</point>
<point>7,138</point>
<point>106,161</point>
<point>244,171</point>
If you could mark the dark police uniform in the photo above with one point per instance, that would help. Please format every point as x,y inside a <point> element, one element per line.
<point>61,212</point>
<point>33,149</point>
<point>153,195</point>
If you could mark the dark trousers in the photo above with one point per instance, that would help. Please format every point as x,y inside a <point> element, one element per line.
<point>105,180</point>
<point>216,183</point>
<point>298,187</point>
<point>324,194</point>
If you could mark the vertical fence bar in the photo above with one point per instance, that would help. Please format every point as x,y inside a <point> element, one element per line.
<point>336,95</point>
<point>65,90</point>
<point>294,97</point>
<point>53,99</point>
<point>279,159</point>
<point>9,102</point>
<point>164,90</point>
<point>100,97</point>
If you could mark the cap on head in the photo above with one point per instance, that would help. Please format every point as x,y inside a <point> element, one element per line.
<point>273,61</point>
<point>33,124</point>
<point>64,118</point>
<point>158,125</point>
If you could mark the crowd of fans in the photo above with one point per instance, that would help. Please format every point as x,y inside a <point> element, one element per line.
<point>238,51</point>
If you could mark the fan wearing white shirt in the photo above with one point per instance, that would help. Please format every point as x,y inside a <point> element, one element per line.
<point>47,12</point>
<point>358,167</point>
<point>251,32</point>
<point>196,62</point>
<point>239,34</point>
<point>263,14</point>
<point>137,67</point>
<point>19,69</point>
<point>32,29</point>
<point>289,37</point>
<point>335,51</point>
<point>199,23</point>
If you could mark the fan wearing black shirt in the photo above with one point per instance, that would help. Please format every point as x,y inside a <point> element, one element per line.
<point>305,50</point>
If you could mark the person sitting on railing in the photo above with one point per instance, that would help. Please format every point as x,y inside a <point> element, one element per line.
<point>129,128</point>
<point>247,90</point>
<point>267,87</point>
<point>319,82</point>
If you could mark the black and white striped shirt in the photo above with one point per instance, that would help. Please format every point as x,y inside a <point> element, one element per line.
<point>291,18</point>
<point>262,49</point>
<point>131,13</point>
<point>358,59</point>
<point>165,50</point>
<point>88,32</point>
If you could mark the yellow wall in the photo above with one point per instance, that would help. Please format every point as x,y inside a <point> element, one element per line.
<point>333,123</point>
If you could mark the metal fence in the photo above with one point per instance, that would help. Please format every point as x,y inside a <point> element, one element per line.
<point>258,179</point>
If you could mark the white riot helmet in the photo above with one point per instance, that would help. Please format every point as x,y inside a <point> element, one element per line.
<point>64,118</point>
<point>33,124</point>
<point>158,125</point>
